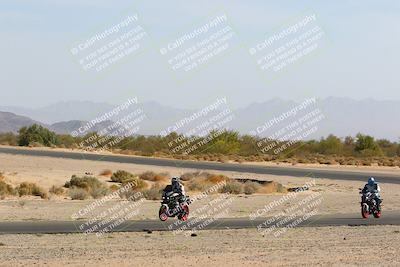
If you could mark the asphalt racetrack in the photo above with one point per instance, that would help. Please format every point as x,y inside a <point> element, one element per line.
<point>245,168</point>
<point>64,227</point>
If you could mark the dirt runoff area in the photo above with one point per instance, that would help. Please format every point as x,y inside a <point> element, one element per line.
<point>322,246</point>
<point>336,196</point>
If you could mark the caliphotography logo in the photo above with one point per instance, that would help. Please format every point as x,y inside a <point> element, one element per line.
<point>101,50</point>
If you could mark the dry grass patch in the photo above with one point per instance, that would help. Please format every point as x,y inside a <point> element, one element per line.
<point>272,187</point>
<point>6,190</point>
<point>154,177</point>
<point>122,176</point>
<point>250,188</point>
<point>232,187</point>
<point>91,185</point>
<point>106,173</point>
<point>31,189</point>
<point>78,193</point>
<point>153,193</point>
<point>190,175</point>
<point>215,179</point>
<point>201,181</point>
<point>137,183</point>
<point>56,190</point>
<point>114,187</point>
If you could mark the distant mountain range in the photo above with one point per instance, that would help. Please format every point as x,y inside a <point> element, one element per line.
<point>342,117</point>
<point>10,122</point>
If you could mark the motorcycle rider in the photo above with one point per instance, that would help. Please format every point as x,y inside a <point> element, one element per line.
<point>373,187</point>
<point>176,187</point>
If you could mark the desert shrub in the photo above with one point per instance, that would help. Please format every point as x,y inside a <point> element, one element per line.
<point>30,189</point>
<point>35,144</point>
<point>303,161</point>
<point>388,163</point>
<point>272,187</point>
<point>331,145</point>
<point>114,187</point>
<point>85,182</point>
<point>371,152</point>
<point>208,177</point>
<point>66,141</point>
<point>367,146</point>
<point>190,175</point>
<point>78,193</point>
<point>153,193</point>
<point>212,178</point>
<point>36,134</point>
<point>198,185</point>
<point>8,139</point>
<point>56,190</point>
<point>137,183</point>
<point>251,187</point>
<point>6,189</point>
<point>154,177</point>
<point>92,185</point>
<point>329,162</point>
<point>107,173</point>
<point>366,162</point>
<point>99,192</point>
<point>122,176</point>
<point>232,187</point>
<point>130,194</point>
<point>201,181</point>
<point>223,159</point>
<point>280,188</point>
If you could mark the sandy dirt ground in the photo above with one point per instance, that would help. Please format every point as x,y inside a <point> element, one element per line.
<point>333,167</point>
<point>336,196</point>
<point>324,246</point>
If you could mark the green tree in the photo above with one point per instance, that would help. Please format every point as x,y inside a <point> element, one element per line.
<point>388,148</point>
<point>366,145</point>
<point>8,139</point>
<point>36,134</point>
<point>331,145</point>
<point>349,141</point>
<point>248,145</point>
<point>224,142</point>
<point>66,140</point>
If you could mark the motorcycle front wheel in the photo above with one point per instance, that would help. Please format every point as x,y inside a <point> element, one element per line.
<point>377,214</point>
<point>162,214</point>
<point>364,211</point>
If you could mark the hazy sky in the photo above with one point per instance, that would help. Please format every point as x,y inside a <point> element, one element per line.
<point>358,57</point>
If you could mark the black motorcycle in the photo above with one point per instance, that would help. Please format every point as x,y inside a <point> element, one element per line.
<point>370,204</point>
<point>174,205</point>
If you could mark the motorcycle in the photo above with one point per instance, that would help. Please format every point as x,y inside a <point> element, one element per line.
<point>369,205</point>
<point>169,207</point>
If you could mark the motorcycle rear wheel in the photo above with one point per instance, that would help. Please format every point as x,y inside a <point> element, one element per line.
<point>185,215</point>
